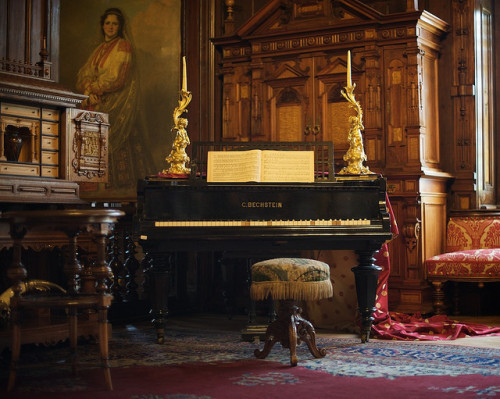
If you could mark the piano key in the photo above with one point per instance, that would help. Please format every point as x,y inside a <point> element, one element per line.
<point>260,223</point>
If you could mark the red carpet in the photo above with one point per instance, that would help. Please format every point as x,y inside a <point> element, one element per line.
<point>205,364</point>
<point>252,379</point>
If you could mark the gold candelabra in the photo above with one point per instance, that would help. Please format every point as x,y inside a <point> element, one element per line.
<point>355,155</point>
<point>178,157</point>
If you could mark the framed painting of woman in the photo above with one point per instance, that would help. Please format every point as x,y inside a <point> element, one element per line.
<point>125,58</point>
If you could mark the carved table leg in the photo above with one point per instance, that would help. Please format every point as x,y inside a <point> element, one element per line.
<point>103,273</point>
<point>104,339</point>
<point>16,347</point>
<point>73,338</point>
<point>17,273</point>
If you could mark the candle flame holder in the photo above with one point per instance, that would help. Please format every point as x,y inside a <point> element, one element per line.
<point>355,155</point>
<point>178,157</point>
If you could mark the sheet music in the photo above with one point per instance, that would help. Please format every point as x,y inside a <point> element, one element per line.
<point>267,166</point>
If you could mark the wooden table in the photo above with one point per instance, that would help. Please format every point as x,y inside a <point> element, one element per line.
<point>99,223</point>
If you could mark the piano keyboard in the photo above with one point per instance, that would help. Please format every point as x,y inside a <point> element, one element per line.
<point>260,223</point>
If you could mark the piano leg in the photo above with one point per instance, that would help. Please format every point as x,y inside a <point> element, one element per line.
<point>366,278</point>
<point>159,286</point>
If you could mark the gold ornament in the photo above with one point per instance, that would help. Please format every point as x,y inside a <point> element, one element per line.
<point>178,157</point>
<point>355,155</point>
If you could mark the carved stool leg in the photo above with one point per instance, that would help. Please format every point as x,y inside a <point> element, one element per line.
<point>272,336</point>
<point>290,329</point>
<point>307,334</point>
<point>292,340</point>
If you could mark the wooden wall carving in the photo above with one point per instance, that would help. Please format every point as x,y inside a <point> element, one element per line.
<point>88,135</point>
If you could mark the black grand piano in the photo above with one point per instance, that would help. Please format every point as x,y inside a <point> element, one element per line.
<point>343,212</point>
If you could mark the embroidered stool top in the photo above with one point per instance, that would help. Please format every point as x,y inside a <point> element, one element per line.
<point>291,278</point>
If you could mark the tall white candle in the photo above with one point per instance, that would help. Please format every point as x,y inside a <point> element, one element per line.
<point>349,81</point>
<point>184,74</point>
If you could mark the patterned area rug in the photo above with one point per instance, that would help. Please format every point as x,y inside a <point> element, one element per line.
<point>194,363</point>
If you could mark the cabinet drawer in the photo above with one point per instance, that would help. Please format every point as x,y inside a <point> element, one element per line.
<point>50,171</point>
<point>50,114</point>
<point>50,128</point>
<point>50,143</point>
<point>50,158</point>
<point>20,170</point>
<point>20,110</point>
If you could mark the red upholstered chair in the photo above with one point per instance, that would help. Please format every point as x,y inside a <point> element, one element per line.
<point>472,255</point>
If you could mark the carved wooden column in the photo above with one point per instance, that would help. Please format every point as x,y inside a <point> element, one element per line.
<point>229,129</point>
<point>257,71</point>
<point>474,177</point>
<point>374,145</point>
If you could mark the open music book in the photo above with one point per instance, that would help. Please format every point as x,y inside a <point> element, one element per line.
<point>262,166</point>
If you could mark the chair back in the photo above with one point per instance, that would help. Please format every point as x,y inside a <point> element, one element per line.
<point>472,232</point>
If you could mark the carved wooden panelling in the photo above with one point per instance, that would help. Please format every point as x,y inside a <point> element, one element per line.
<point>89,145</point>
<point>293,58</point>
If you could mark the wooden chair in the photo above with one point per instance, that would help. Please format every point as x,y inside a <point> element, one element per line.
<point>99,223</point>
<point>289,280</point>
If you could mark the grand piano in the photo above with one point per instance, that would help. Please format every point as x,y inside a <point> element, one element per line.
<point>334,212</point>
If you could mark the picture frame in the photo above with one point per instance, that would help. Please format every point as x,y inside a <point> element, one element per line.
<point>140,135</point>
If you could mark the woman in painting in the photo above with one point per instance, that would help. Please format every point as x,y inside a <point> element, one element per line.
<point>107,78</point>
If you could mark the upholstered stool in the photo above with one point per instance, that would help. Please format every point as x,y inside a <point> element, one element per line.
<point>289,280</point>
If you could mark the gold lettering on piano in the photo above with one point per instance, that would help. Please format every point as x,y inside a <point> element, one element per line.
<point>257,204</point>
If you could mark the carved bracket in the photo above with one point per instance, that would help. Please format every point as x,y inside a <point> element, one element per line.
<point>411,233</point>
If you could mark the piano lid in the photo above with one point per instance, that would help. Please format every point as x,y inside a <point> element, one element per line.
<point>162,199</point>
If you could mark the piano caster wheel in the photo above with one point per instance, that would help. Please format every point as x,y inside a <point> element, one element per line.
<point>160,338</point>
<point>364,337</point>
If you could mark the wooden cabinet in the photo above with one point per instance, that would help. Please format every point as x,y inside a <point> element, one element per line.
<point>31,140</point>
<point>294,98</point>
<point>47,144</point>
<point>282,73</point>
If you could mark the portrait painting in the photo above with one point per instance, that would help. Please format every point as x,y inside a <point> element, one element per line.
<point>125,56</point>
